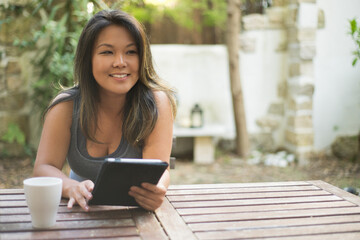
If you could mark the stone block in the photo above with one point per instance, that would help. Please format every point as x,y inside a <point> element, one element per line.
<point>13,67</point>
<point>307,50</point>
<point>254,21</point>
<point>302,68</point>
<point>276,16</point>
<point>300,103</point>
<point>14,82</point>
<point>302,85</point>
<point>296,35</point>
<point>282,89</point>
<point>302,122</point>
<point>13,51</point>
<point>321,19</point>
<point>299,138</point>
<point>276,109</point>
<point>13,101</point>
<point>17,29</point>
<point>2,81</point>
<point>303,50</point>
<point>290,17</point>
<point>278,3</point>
<point>268,123</point>
<point>289,2</point>
<point>306,1</point>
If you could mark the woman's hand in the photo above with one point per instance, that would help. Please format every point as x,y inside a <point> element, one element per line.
<point>80,193</point>
<point>148,196</point>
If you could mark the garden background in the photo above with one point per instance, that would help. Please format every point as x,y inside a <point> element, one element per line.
<point>301,90</point>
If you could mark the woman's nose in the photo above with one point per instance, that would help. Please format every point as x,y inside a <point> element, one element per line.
<point>119,61</point>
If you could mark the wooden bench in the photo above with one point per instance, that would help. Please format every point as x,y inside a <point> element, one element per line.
<point>204,146</point>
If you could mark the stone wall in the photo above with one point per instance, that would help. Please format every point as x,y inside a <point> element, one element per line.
<point>290,117</point>
<point>14,82</point>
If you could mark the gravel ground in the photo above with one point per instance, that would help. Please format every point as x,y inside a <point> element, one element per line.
<point>227,168</point>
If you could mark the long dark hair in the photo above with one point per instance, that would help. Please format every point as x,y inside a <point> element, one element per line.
<point>140,111</point>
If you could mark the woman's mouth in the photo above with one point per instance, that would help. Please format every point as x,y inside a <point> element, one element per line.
<point>123,75</point>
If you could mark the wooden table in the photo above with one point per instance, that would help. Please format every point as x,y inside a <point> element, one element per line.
<point>277,210</point>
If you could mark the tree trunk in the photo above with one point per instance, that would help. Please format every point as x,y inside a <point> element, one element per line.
<point>232,39</point>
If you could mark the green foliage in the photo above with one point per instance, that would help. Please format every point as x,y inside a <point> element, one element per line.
<point>14,135</point>
<point>213,12</point>
<point>355,35</point>
<point>55,41</point>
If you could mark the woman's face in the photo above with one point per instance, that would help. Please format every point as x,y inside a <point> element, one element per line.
<point>115,60</point>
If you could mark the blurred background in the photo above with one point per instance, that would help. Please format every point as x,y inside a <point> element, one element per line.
<point>297,70</point>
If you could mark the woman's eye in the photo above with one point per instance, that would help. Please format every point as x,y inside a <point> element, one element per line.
<point>132,52</point>
<point>105,52</point>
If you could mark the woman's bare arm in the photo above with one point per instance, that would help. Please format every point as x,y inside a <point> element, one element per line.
<point>52,151</point>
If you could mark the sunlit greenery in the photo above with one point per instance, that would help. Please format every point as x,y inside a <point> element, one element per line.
<point>355,35</point>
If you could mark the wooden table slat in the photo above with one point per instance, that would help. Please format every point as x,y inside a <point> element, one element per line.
<point>337,191</point>
<point>252,202</point>
<point>327,236</point>
<point>262,208</point>
<point>280,232</point>
<point>12,191</point>
<point>148,226</point>
<point>239,185</point>
<point>240,190</point>
<point>208,197</point>
<point>124,233</point>
<point>172,223</point>
<point>270,215</point>
<point>62,209</point>
<point>70,216</point>
<point>84,224</point>
<point>271,223</point>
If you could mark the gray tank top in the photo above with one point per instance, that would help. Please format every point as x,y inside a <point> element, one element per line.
<point>82,165</point>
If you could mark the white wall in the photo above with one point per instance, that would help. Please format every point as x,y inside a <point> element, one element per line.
<point>201,75</point>
<point>337,83</point>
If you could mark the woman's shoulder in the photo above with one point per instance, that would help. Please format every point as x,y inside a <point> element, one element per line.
<point>66,95</point>
<point>62,105</point>
<point>165,101</point>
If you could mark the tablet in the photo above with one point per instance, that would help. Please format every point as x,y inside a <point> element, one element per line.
<point>117,175</point>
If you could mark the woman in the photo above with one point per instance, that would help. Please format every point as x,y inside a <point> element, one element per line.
<point>118,108</point>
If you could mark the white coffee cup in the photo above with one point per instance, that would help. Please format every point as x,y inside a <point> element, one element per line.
<point>43,195</point>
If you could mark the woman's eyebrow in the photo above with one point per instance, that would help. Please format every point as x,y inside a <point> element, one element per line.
<point>111,46</point>
<point>104,45</point>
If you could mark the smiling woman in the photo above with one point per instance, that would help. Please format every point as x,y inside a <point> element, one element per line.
<point>115,61</point>
<point>119,108</point>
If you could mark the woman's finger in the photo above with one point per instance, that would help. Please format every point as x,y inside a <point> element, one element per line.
<point>89,185</point>
<point>71,202</point>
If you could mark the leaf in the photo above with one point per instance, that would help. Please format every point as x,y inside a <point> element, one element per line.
<point>353,26</point>
<point>354,61</point>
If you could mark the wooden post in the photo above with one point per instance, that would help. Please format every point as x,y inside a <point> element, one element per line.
<point>232,39</point>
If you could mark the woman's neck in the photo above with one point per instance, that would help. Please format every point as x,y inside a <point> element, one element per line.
<point>112,104</point>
